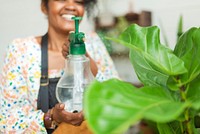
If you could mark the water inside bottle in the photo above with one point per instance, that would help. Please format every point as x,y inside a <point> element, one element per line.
<point>71,97</point>
<point>66,96</point>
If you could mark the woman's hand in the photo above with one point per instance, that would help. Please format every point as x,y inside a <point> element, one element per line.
<point>65,49</point>
<point>60,115</point>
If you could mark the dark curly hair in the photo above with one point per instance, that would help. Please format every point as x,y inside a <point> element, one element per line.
<point>88,4</point>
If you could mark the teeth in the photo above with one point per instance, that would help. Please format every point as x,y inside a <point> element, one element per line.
<point>68,16</point>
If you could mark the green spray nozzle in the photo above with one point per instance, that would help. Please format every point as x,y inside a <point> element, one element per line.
<point>76,19</point>
<point>77,45</point>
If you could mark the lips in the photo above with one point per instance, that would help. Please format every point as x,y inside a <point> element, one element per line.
<point>68,17</point>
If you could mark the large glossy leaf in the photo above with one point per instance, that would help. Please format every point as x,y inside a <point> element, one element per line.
<point>153,62</point>
<point>146,74</point>
<point>147,39</point>
<point>188,49</point>
<point>111,106</point>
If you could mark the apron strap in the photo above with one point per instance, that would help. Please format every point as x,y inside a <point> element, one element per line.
<point>43,96</point>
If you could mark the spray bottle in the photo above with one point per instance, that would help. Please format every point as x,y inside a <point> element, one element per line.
<point>77,74</point>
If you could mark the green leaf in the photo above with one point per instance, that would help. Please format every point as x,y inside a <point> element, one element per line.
<point>170,128</point>
<point>156,62</point>
<point>165,129</point>
<point>188,49</point>
<point>180,27</point>
<point>147,39</point>
<point>193,94</point>
<point>112,106</point>
<point>146,74</point>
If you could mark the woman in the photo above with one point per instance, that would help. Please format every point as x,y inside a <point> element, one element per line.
<point>21,74</point>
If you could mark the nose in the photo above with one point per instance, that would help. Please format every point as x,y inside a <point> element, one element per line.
<point>70,5</point>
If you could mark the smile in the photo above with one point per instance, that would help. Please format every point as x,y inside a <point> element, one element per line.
<point>68,17</point>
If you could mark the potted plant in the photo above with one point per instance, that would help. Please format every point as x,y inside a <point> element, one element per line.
<point>170,96</point>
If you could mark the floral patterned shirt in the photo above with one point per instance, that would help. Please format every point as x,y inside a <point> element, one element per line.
<point>20,83</point>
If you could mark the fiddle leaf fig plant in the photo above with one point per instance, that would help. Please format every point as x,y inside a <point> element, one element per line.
<point>170,96</point>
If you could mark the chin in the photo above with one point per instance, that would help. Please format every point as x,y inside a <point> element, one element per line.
<point>70,29</point>
<point>67,30</point>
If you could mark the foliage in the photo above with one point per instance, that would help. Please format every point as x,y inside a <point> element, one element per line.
<point>180,27</point>
<point>170,95</point>
<point>113,31</point>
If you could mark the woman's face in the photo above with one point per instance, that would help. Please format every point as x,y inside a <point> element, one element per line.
<point>60,12</point>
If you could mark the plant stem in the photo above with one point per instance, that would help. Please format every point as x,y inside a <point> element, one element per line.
<point>183,95</point>
<point>181,125</point>
<point>187,123</point>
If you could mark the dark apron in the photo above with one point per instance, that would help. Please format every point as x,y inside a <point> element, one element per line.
<point>47,92</point>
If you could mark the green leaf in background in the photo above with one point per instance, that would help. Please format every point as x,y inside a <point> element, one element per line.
<point>188,49</point>
<point>169,128</point>
<point>146,74</point>
<point>193,94</point>
<point>147,39</point>
<point>114,105</point>
<point>180,27</point>
<point>165,129</point>
<point>153,62</point>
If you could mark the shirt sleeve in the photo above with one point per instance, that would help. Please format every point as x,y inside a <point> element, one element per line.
<point>17,114</point>
<point>99,53</point>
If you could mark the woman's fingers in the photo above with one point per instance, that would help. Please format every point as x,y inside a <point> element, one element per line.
<point>57,112</point>
<point>65,50</point>
<point>76,119</point>
<point>60,106</point>
<point>64,53</point>
<point>60,115</point>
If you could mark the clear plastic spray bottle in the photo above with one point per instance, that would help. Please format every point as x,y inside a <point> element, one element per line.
<point>77,74</point>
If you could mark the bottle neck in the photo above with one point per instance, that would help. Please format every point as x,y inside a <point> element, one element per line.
<point>77,56</point>
<point>76,62</point>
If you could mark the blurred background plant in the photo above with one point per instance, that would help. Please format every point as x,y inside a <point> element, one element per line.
<point>120,25</point>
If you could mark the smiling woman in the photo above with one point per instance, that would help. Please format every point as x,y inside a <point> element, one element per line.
<point>35,64</point>
<point>59,13</point>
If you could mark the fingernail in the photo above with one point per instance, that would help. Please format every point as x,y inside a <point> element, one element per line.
<point>62,105</point>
